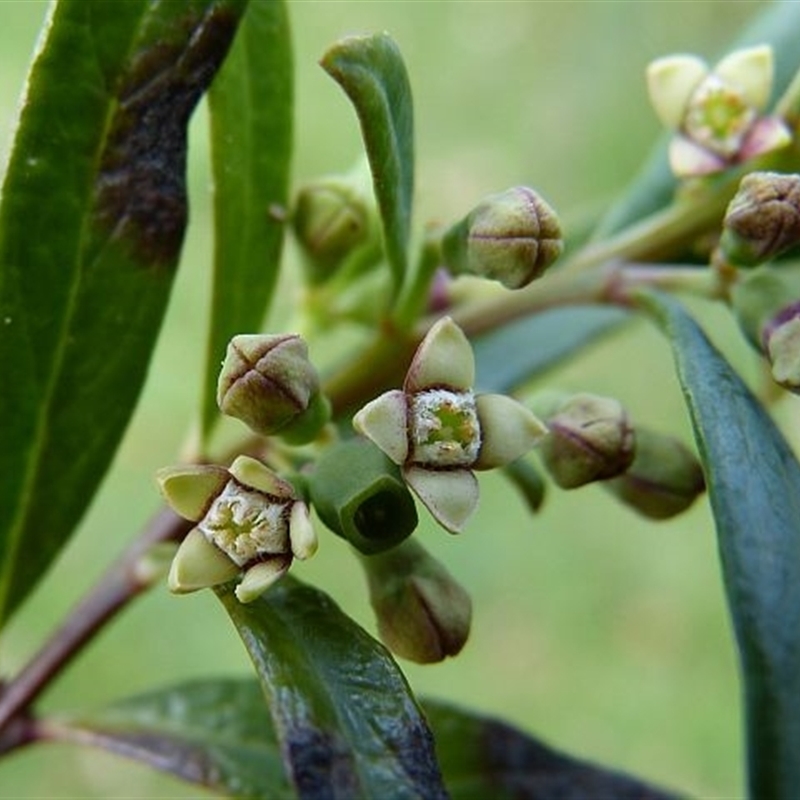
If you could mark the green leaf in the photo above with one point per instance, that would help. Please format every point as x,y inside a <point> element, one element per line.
<point>485,758</point>
<point>371,71</point>
<point>346,720</point>
<point>91,224</point>
<point>251,105</point>
<point>653,189</point>
<point>507,357</point>
<point>213,733</point>
<point>754,487</point>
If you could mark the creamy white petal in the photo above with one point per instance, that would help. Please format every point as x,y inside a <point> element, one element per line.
<point>301,532</point>
<point>384,420</point>
<point>191,489</point>
<point>670,82</point>
<point>256,475</point>
<point>749,70</point>
<point>198,564</point>
<point>260,577</point>
<point>450,495</point>
<point>444,358</point>
<point>688,159</point>
<point>508,430</point>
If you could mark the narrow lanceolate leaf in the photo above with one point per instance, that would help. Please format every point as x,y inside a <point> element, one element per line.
<point>212,733</point>
<point>91,224</point>
<point>507,357</point>
<point>777,25</point>
<point>347,723</point>
<point>482,757</point>
<point>250,105</point>
<point>371,71</point>
<point>754,487</point>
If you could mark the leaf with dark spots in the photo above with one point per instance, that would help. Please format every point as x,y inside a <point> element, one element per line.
<point>212,733</point>
<point>345,717</point>
<point>92,217</point>
<point>482,757</point>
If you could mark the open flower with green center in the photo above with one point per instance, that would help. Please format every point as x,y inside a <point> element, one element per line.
<point>250,524</point>
<point>438,430</point>
<point>717,113</point>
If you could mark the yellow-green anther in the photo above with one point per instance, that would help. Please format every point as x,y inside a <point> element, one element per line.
<point>763,219</point>
<point>423,614</point>
<point>269,384</point>
<point>511,237</point>
<point>589,438</point>
<point>664,479</point>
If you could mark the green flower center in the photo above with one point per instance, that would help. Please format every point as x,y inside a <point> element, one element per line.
<point>246,524</point>
<point>444,428</point>
<point>718,117</point>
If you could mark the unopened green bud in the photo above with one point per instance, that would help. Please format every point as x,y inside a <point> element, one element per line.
<point>333,218</point>
<point>269,384</point>
<point>511,237</point>
<point>664,479</point>
<point>590,438</point>
<point>763,219</point>
<point>359,493</point>
<point>423,614</point>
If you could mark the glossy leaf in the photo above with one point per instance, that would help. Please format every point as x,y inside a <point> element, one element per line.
<point>509,356</point>
<point>371,71</point>
<point>250,106</point>
<point>754,486</point>
<point>485,758</point>
<point>346,720</point>
<point>91,225</point>
<point>212,733</point>
<point>779,26</point>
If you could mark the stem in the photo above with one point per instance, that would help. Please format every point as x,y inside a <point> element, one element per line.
<point>120,584</point>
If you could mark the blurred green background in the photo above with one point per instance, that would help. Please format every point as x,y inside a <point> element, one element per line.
<point>603,633</point>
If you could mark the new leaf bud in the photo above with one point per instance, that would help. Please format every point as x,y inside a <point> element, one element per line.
<point>589,438</point>
<point>268,383</point>
<point>511,237</point>
<point>664,479</point>
<point>423,614</point>
<point>763,219</point>
<point>359,494</point>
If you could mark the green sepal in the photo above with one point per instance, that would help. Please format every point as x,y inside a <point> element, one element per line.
<point>360,495</point>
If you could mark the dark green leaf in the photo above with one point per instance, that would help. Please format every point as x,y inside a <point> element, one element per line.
<point>91,225</point>
<point>754,487</point>
<point>484,758</point>
<point>348,725</point>
<point>509,356</point>
<point>251,143</point>
<point>214,733</point>
<point>371,71</point>
<point>778,25</point>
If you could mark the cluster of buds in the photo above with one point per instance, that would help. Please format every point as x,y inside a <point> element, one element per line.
<point>511,237</point>
<point>717,113</point>
<point>437,430</point>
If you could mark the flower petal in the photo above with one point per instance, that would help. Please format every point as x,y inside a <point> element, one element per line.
<point>749,70</point>
<point>198,564</point>
<point>384,420</point>
<point>444,359</point>
<point>450,495</point>
<point>767,134</point>
<point>191,489</point>
<point>508,430</point>
<point>254,474</point>
<point>689,160</point>
<point>301,533</point>
<point>260,577</point>
<point>670,82</point>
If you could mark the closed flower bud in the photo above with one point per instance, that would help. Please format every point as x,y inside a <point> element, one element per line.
<point>664,479</point>
<point>763,219</point>
<point>423,614</point>
<point>511,237</point>
<point>359,494</point>
<point>269,384</point>
<point>589,438</point>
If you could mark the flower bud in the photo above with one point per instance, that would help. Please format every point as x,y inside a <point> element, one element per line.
<point>763,219</point>
<point>511,237</point>
<point>590,438</point>
<point>664,478</point>
<point>423,614</point>
<point>359,494</point>
<point>781,342</point>
<point>269,384</point>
